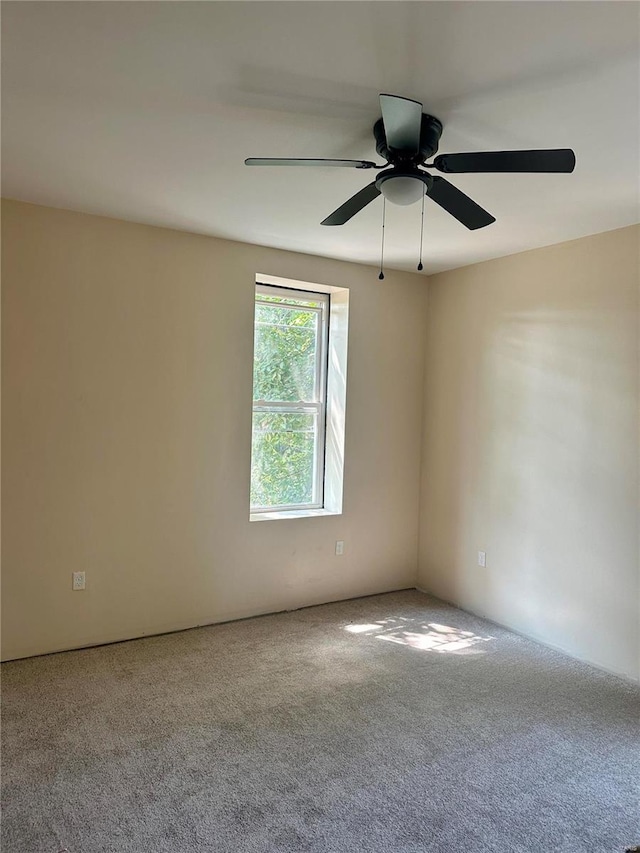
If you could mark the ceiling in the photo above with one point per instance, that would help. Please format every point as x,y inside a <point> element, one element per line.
<point>146,110</point>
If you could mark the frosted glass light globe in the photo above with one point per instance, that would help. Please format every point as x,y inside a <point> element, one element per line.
<point>402,189</point>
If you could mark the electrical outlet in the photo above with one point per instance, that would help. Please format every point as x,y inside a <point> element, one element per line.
<point>339,548</point>
<point>482,558</point>
<point>78,580</point>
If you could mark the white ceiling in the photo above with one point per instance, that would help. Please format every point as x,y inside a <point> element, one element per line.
<point>146,111</point>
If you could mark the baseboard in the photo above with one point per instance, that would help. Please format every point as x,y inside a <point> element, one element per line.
<point>240,616</point>
<point>623,675</point>
<point>161,631</point>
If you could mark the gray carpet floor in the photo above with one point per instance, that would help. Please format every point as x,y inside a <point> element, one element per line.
<point>389,723</point>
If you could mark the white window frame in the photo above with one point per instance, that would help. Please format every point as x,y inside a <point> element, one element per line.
<point>336,396</point>
<point>317,406</point>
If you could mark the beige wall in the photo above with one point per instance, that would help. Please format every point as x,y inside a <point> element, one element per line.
<point>530,448</point>
<point>126,438</point>
<point>127,370</point>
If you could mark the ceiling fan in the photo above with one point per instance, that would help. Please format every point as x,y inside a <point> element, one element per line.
<point>406,137</point>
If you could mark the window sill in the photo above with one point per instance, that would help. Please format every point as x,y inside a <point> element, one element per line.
<point>290,513</point>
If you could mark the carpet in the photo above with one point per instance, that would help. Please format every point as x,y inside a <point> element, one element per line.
<point>388,723</point>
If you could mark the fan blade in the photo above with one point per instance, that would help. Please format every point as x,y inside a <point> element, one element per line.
<point>402,119</point>
<point>353,205</point>
<point>459,205</point>
<point>549,160</point>
<point>280,161</point>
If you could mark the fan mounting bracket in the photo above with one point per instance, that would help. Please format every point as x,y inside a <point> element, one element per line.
<point>430,132</point>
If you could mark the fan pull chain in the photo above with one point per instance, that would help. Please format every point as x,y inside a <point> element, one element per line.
<point>420,267</point>
<point>384,205</point>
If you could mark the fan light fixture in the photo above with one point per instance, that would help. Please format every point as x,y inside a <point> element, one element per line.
<point>405,139</point>
<point>402,189</point>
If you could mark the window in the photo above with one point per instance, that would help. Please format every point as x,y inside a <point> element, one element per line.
<point>301,333</point>
<point>291,342</point>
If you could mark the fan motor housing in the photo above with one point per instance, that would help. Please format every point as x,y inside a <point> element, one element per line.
<point>430,132</point>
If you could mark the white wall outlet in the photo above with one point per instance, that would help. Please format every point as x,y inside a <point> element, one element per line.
<point>78,580</point>
<point>482,558</point>
<point>339,548</point>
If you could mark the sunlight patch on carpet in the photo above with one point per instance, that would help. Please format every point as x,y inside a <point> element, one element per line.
<point>429,636</point>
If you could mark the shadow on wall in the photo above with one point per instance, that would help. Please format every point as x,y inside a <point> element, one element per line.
<point>425,636</point>
<point>554,389</point>
<point>532,417</point>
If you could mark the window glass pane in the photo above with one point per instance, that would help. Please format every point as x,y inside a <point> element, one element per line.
<point>282,458</point>
<point>268,297</point>
<point>284,364</point>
